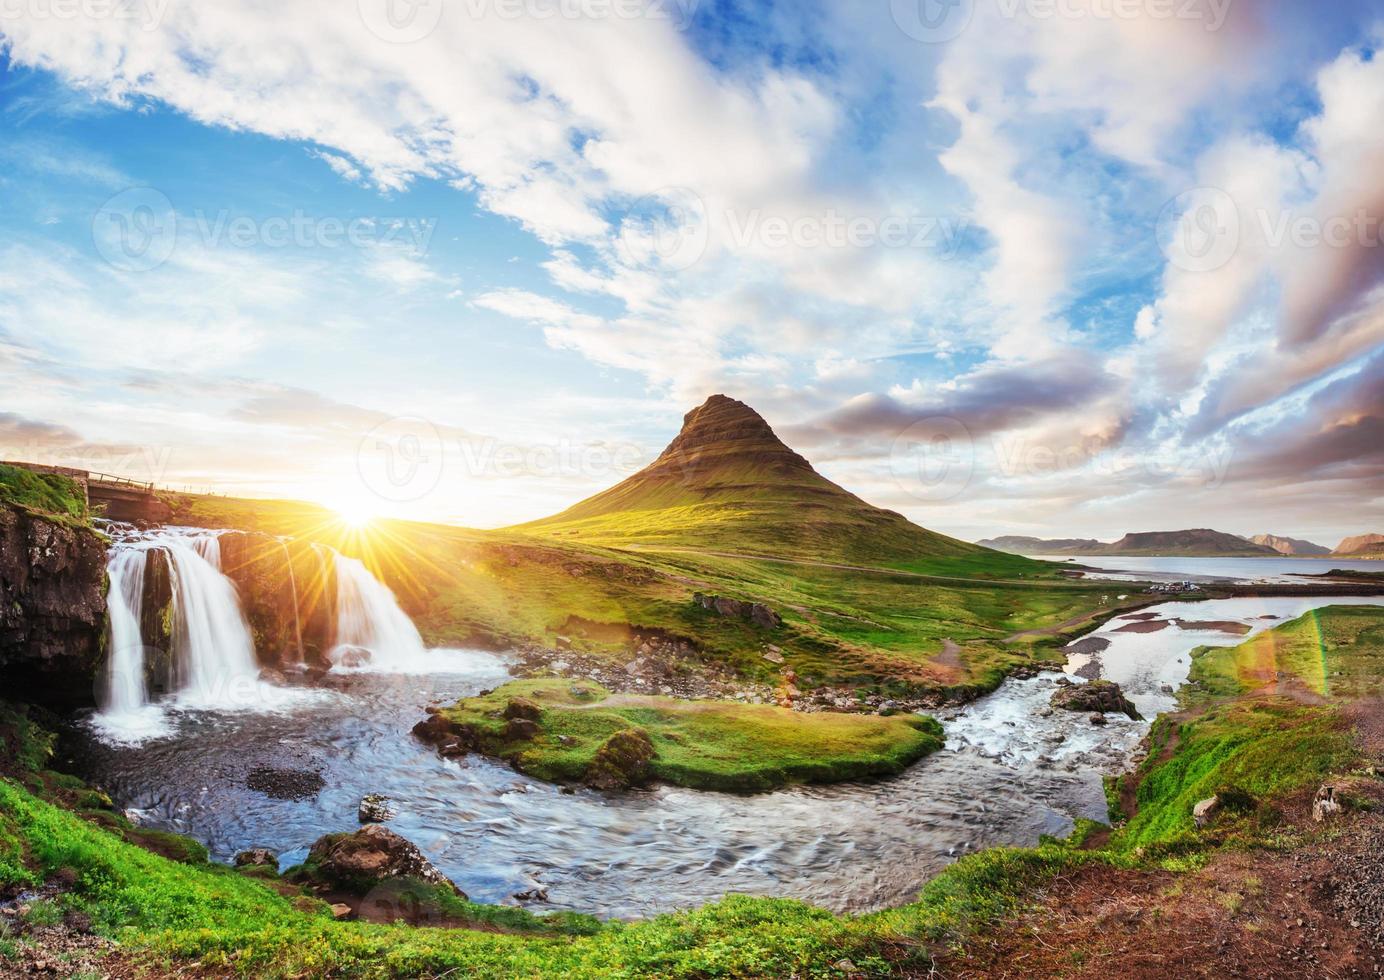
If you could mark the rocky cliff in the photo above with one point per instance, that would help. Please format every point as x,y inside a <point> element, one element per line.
<point>1362,546</point>
<point>288,592</point>
<point>52,607</point>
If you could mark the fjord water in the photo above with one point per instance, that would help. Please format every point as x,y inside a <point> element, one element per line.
<point>1285,570</point>
<point>1012,769</point>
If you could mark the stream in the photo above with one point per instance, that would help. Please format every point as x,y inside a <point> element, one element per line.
<point>1012,769</point>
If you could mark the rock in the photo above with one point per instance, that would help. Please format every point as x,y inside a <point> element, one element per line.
<point>285,784</point>
<point>257,857</point>
<point>773,656</point>
<point>532,895</point>
<point>434,729</point>
<point>52,609</point>
<point>1205,811</point>
<point>271,676</point>
<point>374,808</point>
<point>522,708</point>
<point>1096,718</point>
<point>762,615</point>
<point>1101,696</point>
<point>357,862</point>
<point>562,643</point>
<point>622,761</point>
<point>341,911</point>
<point>1325,805</point>
<point>521,730</point>
<point>351,657</point>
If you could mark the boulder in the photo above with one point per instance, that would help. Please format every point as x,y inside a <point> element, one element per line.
<point>762,615</point>
<point>257,857</point>
<point>622,761</point>
<point>1097,696</point>
<point>374,808</point>
<point>521,730</point>
<point>357,862</point>
<point>523,708</point>
<point>1205,811</point>
<point>1325,805</point>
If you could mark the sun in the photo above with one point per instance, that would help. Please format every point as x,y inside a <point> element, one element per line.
<point>355,514</point>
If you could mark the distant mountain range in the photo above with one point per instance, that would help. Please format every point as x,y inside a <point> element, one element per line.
<point>1290,546</point>
<point>1361,546</point>
<point>1195,542</point>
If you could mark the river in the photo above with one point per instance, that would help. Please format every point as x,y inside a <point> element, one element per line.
<point>1012,769</point>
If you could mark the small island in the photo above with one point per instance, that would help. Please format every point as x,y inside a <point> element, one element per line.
<point>577,732</point>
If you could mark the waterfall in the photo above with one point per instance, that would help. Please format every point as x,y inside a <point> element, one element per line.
<point>125,691</point>
<point>370,627</point>
<point>293,586</point>
<point>213,653</point>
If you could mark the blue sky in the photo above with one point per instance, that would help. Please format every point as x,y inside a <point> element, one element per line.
<point>474,262</point>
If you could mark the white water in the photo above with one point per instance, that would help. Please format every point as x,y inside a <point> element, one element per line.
<point>370,624</point>
<point>125,670</point>
<point>213,653</point>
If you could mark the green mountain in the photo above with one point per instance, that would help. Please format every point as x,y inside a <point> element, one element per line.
<point>728,483</point>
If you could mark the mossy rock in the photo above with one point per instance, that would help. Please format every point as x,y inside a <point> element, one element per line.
<point>622,761</point>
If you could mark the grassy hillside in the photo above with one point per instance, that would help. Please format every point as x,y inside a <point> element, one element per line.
<point>50,494</point>
<point>886,628</point>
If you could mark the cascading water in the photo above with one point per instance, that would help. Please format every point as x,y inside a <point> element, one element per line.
<point>125,688</point>
<point>213,653</point>
<point>293,587</point>
<point>370,627</point>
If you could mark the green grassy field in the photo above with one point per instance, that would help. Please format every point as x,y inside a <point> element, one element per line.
<point>699,744</point>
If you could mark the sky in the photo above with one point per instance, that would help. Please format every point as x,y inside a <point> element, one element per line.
<point>1049,267</point>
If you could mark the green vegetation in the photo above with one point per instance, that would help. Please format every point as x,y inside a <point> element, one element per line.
<point>1250,747</point>
<point>700,744</point>
<point>50,494</point>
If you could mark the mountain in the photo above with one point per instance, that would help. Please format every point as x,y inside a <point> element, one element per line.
<point>728,483</point>
<point>1290,546</point>
<point>1196,542</point>
<point>1018,544</point>
<point>1361,546</point>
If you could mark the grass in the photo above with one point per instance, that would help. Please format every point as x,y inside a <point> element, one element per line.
<point>699,744</point>
<point>173,914</point>
<point>50,494</point>
<point>882,629</point>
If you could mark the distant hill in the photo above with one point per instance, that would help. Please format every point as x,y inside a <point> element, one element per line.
<point>1196,542</point>
<point>1290,546</point>
<point>728,483</point>
<point>1018,544</point>
<point>1361,546</point>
